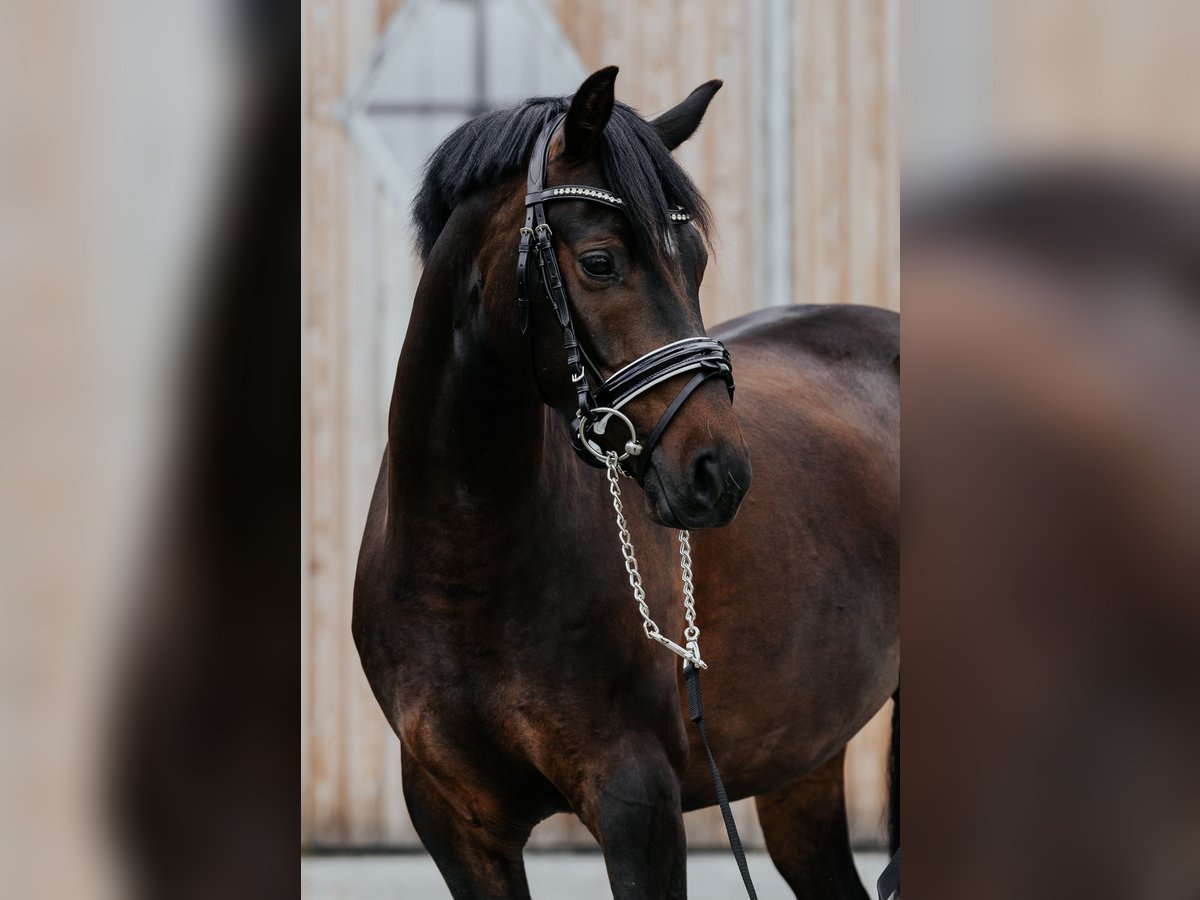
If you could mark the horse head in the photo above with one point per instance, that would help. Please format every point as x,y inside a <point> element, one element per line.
<point>629,236</point>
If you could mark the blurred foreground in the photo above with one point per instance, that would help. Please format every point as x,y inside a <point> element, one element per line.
<point>148,276</point>
<point>1051,573</point>
<point>1051,451</point>
<point>1051,342</point>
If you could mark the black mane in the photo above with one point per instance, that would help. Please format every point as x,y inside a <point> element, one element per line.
<point>637,167</point>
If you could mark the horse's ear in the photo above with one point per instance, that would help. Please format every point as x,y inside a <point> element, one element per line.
<point>679,123</point>
<point>589,113</point>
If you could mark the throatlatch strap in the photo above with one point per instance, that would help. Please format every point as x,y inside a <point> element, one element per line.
<point>691,676</point>
<point>889,880</point>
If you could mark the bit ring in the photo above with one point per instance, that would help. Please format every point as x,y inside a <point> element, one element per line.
<point>632,447</point>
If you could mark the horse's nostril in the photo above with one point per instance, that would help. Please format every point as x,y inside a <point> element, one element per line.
<point>707,477</point>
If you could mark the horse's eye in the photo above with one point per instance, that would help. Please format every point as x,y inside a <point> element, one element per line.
<point>598,265</point>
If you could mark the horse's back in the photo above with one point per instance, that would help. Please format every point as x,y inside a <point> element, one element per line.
<point>865,336</point>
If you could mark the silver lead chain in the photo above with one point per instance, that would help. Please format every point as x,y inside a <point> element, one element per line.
<point>691,634</point>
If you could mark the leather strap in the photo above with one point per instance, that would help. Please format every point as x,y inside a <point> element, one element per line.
<point>540,158</point>
<point>889,880</point>
<point>535,180</point>
<point>522,266</point>
<point>669,413</point>
<point>691,676</point>
<point>574,192</point>
<point>658,365</point>
<point>557,295</point>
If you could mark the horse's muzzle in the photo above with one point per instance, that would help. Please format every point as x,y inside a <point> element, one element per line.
<point>707,492</point>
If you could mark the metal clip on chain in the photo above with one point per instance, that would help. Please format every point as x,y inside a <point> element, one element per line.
<point>691,652</point>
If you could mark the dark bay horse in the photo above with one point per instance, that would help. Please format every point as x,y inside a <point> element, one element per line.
<point>492,610</point>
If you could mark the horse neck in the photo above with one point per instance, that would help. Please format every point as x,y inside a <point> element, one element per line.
<point>465,434</point>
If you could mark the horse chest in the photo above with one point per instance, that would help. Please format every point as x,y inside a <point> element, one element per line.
<point>488,731</point>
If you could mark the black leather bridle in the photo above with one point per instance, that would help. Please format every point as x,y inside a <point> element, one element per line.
<point>703,356</point>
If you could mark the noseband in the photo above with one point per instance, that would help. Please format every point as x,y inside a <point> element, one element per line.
<point>703,356</point>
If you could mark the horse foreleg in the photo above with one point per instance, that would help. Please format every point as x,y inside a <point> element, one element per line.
<point>804,825</point>
<point>632,808</point>
<point>477,862</point>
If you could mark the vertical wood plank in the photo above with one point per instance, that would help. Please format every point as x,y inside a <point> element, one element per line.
<point>729,144</point>
<point>324,353</point>
<point>363,759</point>
<point>692,62</point>
<point>802,125</point>
<point>847,158</point>
<point>307,663</point>
<point>399,272</point>
<point>656,72</point>
<point>870,152</point>
<point>829,256</point>
<point>889,125</point>
<point>866,780</point>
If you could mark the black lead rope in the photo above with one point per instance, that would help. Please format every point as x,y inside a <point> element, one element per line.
<point>691,676</point>
<point>889,880</point>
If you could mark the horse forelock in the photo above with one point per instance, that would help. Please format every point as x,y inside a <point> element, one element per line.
<point>635,164</point>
